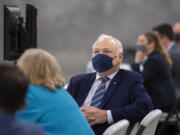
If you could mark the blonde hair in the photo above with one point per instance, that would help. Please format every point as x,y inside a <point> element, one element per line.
<point>41,68</point>
<point>151,37</point>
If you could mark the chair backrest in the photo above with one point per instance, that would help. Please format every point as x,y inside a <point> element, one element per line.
<point>170,118</point>
<point>134,129</point>
<point>149,123</point>
<point>118,128</point>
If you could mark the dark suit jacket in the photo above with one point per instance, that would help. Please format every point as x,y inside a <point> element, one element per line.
<point>174,53</point>
<point>158,81</point>
<point>126,96</point>
<point>9,125</point>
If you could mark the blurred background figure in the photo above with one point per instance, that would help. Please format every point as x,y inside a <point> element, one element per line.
<point>48,103</point>
<point>176,30</point>
<point>156,71</point>
<point>13,88</point>
<point>166,37</point>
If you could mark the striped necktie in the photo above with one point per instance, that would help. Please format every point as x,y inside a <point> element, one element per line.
<point>99,94</point>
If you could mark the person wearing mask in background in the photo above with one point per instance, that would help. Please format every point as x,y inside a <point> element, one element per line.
<point>48,103</point>
<point>176,30</point>
<point>156,71</point>
<point>165,35</point>
<point>110,94</point>
<point>13,88</point>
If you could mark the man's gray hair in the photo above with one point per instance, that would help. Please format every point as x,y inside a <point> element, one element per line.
<point>113,40</point>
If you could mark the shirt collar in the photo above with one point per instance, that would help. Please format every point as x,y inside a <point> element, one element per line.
<point>170,46</point>
<point>111,76</point>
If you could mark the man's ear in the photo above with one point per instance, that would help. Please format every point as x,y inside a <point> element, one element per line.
<point>121,56</point>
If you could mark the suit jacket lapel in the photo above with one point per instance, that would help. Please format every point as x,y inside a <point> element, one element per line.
<point>86,86</point>
<point>111,88</point>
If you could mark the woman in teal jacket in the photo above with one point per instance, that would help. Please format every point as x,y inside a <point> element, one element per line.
<point>48,103</point>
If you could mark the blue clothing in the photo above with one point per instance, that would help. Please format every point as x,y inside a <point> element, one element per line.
<point>10,125</point>
<point>56,112</point>
<point>125,96</point>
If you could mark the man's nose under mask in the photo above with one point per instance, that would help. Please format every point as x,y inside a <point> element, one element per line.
<point>102,63</point>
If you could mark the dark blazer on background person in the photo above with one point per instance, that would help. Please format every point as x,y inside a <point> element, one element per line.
<point>158,81</point>
<point>10,125</point>
<point>174,53</point>
<point>125,96</point>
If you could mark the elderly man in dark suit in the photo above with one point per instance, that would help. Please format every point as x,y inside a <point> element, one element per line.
<point>166,37</point>
<point>110,94</point>
<point>13,87</point>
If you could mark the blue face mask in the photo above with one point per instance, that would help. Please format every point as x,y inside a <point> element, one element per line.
<point>102,63</point>
<point>141,48</point>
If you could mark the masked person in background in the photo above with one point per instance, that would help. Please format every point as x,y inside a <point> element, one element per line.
<point>165,35</point>
<point>110,94</point>
<point>156,70</point>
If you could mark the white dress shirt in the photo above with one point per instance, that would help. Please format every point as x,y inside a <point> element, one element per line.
<point>93,89</point>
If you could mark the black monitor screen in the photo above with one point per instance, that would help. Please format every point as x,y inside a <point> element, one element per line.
<point>31,24</point>
<point>19,36</point>
<point>11,13</point>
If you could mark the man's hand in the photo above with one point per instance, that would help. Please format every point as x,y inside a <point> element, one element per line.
<point>94,115</point>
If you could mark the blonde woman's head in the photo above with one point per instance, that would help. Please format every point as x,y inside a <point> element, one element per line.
<point>41,68</point>
<point>152,38</point>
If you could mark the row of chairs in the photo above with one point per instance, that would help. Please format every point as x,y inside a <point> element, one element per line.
<point>146,127</point>
<point>170,120</point>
